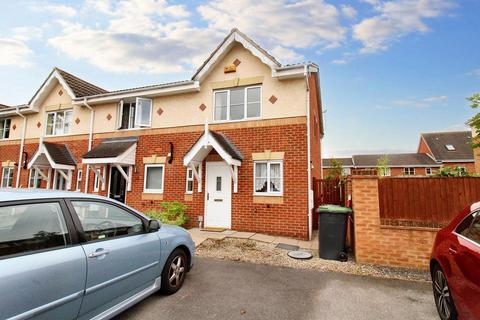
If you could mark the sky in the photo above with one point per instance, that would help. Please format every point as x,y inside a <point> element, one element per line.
<point>389,70</point>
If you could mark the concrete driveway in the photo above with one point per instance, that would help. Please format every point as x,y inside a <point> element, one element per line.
<point>227,290</point>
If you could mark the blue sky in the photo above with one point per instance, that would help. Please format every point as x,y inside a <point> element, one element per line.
<point>389,69</point>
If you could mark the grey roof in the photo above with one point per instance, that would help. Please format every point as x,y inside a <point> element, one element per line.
<point>60,153</point>
<point>346,162</point>
<point>4,106</point>
<point>110,148</point>
<point>80,88</point>
<point>227,145</point>
<point>395,160</point>
<point>460,140</point>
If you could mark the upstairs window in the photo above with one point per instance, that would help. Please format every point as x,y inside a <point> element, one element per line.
<point>237,104</point>
<point>59,122</point>
<point>5,128</point>
<point>135,114</point>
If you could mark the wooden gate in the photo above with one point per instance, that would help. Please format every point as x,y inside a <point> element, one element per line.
<point>331,191</point>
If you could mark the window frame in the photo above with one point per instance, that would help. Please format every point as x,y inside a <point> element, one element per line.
<point>188,179</point>
<point>475,215</point>
<point>268,192</point>
<point>386,173</point>
<point>137,110</point>
<point>405,169</point>
<point>429,169</point>
<point>245,103</point>
<point>54,125</point>
<point>78,224</point>
<point>78,182</point>
<point>36,178</point>
<point>11,173</point>
<point>4,120</point>
<point>132,105</point>
<point>72,237</point>
<point>145,169</point>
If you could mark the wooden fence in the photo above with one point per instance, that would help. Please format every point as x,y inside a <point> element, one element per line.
<point>425,202</point>
<point>329,191</point>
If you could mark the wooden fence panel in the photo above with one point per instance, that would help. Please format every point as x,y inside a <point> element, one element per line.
<point>329,191</point>
<point>425,202</point>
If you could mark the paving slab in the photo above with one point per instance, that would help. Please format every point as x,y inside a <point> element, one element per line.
<point>242,235</point>
<point>285,240</point>
<point>262,238</point>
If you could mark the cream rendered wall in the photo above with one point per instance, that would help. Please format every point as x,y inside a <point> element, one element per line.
<point>180,109</point>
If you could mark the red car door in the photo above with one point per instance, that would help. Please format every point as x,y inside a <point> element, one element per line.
<point>467,261</point>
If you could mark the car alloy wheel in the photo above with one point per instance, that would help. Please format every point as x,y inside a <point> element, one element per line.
<point>443,299</point>
<point>176,272</point>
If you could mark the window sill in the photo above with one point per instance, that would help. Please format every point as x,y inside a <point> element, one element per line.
<point>268,199</point>
<point>152,196</point>
<point>241,120</point>
<point>132,129</point>
<point>266,194</point>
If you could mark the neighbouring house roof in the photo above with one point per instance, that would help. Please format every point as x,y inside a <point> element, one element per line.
<point>4,106</point>
<point>450,146</point>
<point>395,160</point>
<point>346,162</point>
<point>60,153</point>
<point>80,88</point>
<point>110,148</point>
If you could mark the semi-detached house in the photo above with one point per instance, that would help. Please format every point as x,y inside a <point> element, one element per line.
<point>239,143</point>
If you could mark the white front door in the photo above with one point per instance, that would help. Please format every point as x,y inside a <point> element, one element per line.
<point>218,208</point>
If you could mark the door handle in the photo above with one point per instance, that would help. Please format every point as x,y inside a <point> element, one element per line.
<point>452,251</point>
<point>98,253</point>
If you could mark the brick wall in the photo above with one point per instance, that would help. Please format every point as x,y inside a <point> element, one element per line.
<point>390,246</point>
<point>288,219</point>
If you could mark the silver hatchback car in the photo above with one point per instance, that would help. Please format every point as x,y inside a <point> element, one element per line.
<point>66,255</point>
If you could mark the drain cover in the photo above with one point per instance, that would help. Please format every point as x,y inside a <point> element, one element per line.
<point>302,255</point>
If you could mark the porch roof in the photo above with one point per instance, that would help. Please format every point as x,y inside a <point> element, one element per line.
<point>56,156</point>
<point>117,151</point>
<point>219,142</point>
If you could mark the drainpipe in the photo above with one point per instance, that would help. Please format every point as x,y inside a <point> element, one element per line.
<point>22,143</point>
<point>90,140</point>
<point>309,167</point>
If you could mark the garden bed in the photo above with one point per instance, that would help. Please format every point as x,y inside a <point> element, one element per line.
<point>266,253</point>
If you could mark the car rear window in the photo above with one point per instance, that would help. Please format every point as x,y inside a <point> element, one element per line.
<point>30,227</point>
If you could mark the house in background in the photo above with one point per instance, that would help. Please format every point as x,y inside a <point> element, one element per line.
<point>238,143</point>
<point>328,164</point>
<point>450,149</point>
<point>435,150</point>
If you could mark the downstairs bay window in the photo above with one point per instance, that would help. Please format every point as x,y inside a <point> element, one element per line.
<point>268,178</point>
<point>154,177</point>
<point>237,103</point>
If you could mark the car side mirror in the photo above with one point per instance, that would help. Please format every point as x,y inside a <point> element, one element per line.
<point>153,225</point>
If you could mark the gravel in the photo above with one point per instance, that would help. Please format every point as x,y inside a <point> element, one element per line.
<point>266,253</point>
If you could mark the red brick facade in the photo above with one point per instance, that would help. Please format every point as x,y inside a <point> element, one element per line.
<point>288,219</point>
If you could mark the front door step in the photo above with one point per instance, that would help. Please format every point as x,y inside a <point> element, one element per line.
<point>213,229</point>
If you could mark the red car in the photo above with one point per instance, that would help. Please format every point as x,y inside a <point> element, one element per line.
<point>455,267</point>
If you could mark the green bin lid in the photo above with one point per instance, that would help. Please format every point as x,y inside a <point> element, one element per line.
<point>334,209</point>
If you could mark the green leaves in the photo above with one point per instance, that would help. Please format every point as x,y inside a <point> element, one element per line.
<point>172,212</point>
<point>474,122</point>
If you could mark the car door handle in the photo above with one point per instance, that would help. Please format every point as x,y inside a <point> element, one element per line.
<point>452,251</point>
<point>98,253</point>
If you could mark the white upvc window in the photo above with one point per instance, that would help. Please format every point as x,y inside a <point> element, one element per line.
<point>409,171</point>
<point>5,128</point>
<point>58,123</point>
<point>154,178</point>
<point>135,114</point>
<point>238,103</point>
<point>385,172</point>
<point>7,177</point>
<point>34,179</point>
<point>97,181</point>
<point>79,180</point>
<point>268,177</point>
<point>428,171</point>
<point>189,183</point>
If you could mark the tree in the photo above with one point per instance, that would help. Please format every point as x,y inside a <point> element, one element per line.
<point>383,166</point>
<point>336,171</point>
<point>474,122</point>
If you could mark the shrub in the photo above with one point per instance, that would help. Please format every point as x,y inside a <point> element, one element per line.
<point>171,212</point>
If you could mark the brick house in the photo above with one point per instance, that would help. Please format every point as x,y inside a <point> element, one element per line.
<point>238,143</point>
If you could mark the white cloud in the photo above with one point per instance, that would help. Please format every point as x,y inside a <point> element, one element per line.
<point>339,61</point>
<point>348,11</point>
<point>14,53</point>
<point>421,103</point>
<point>475,73</point>
<point>27,33</point>
<point>56,9</point>
<point>285,55</point>
<point>303,24</point>
<point>395,19</point>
